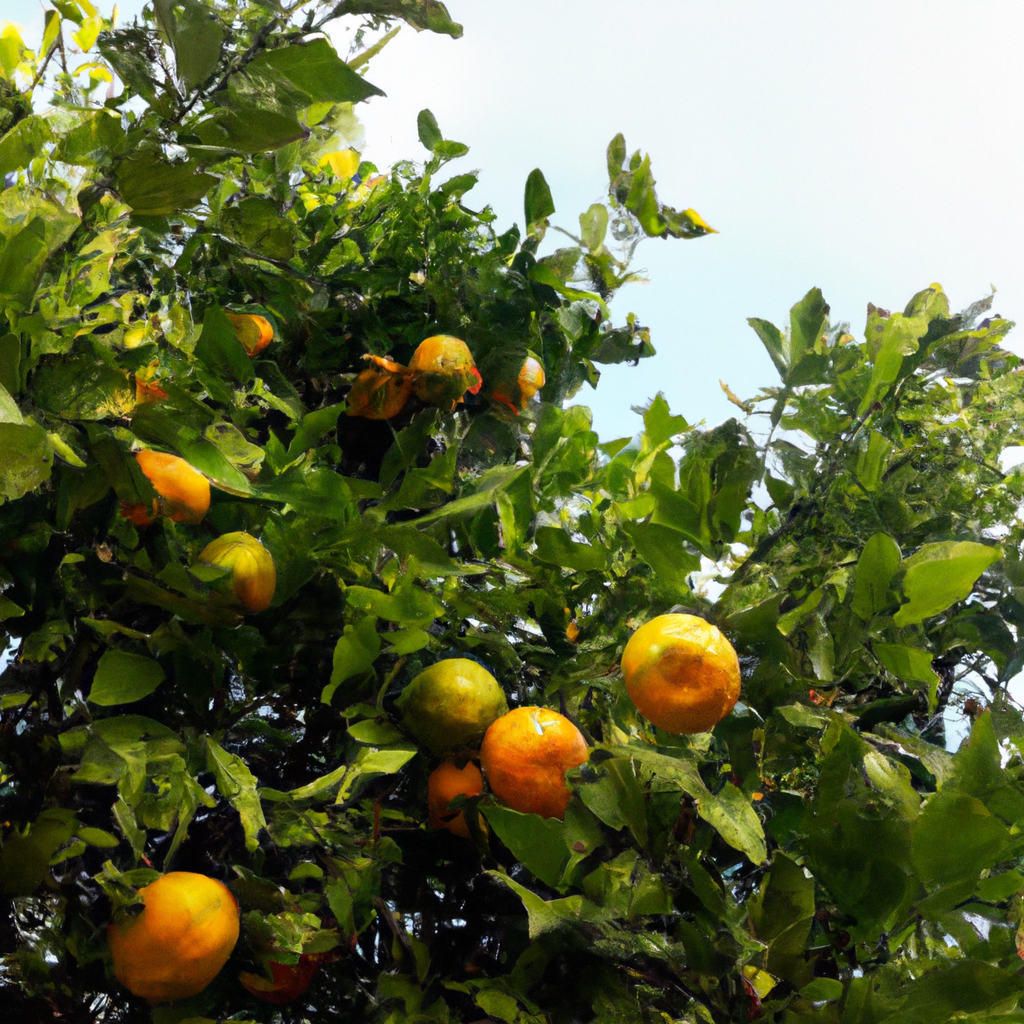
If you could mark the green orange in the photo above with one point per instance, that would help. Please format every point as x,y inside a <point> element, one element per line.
<point>448,706</point>
<point>682,673</point>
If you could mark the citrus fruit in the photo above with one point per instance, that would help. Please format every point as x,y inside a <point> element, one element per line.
<point>380,391</point>
<point>449,706</point>
<point>180,940</point>
<point>444,371</point>
<point>681,673</point>
<point>530,380</point>
<point>287,981</point>
<point>183,494</point>
<point>446,782</point>
<point>253,576</point>
<point>526,754</point>
<point>254,332</point>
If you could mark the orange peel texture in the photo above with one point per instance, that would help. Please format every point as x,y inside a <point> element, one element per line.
<point>526,754</point>
<point>183,493</point>
<point>180,940</point>
<point>681,673</point>
<point>445,783</point>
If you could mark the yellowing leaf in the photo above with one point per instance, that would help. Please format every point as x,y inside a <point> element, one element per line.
<point>343,162</point>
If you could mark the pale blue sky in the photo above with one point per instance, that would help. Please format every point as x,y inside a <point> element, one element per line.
<point>868,148</point>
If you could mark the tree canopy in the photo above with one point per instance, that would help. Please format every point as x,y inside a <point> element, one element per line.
<point>820,854</point>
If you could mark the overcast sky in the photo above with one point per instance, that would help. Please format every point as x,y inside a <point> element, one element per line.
<point>867,148</point>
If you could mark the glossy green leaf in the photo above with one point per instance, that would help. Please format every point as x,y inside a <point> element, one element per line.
<point>123,678</point>
<point>354,653</point>
<point>876,567</point>
<point>938,575</point>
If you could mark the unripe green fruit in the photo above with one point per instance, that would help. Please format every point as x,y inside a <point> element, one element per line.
<point>448,707</point>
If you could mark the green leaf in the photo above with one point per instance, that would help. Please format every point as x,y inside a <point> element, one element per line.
<point>536,842</point>
<point>594,226</point>
<point>938,575</point>
<point>238,786</point>
<point>154,188</point>
<point>554,545</point>
<point>890,340</point>
<point>538,203</point>
<point>420,14</point>
<point>27,459</point>
<point>123,678</point>
<point>544,916</point>
<point>316,69</point>
<point>731,813</point>
<point>408,603</point>
<point>429,133</point>
<point>24,859</point>
<point>220,349</point>
<point>911,665</point>
<point>807,319</point>
<point>354,653</point>
<point>659,424</point>
<point>956,837</point>
<point>197,41</point>
<point>616,796</point>
<point>774,343</point>
<point>23,143</point>
<point>823,990</point>
<point>877,565</point>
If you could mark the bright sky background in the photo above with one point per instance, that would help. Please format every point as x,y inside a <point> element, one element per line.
<point>861,146</point>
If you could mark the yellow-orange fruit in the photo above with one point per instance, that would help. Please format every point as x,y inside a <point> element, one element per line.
<point>526,754</point>
<point>253,576</point>
<point>446,782</point>
<point>254,332</point>
<point>180,940</point>
<point>183,493</point>
<point>530,380</point>
<point>380,391</point>
<point>444,370</point>
<point>682,673</point>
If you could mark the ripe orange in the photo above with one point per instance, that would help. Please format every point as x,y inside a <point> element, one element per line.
<point>526,754</point>
<point>254,332</point>
<point>183,493</point>
<point>380,391</point>
<point>177,945</point>
<point>682,673</point>
<point>444,371</point>
<point>530,380</point>
<point>448,707</point>
<point>446,782</point>
<point>288,981</point>
<point>253,576</point>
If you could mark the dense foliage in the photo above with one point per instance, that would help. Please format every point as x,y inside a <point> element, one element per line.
<point>821,853</point>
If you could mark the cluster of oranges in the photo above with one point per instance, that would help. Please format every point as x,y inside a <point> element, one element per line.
<point>441,372</point>
<point>680,671</point>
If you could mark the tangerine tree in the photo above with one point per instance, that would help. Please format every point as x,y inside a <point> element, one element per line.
<point>236,667</point>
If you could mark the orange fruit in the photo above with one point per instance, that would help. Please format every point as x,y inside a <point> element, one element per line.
<point>287,981</point>
<point>526,754</point>
<point>180,940</point>
<point>681,673</point>
<point>183,493</point>
<point>253,576</point>
<point>445,783</point>
<point>530,380</point>
<point>254,332</point>
<point>380,391</point>
<point>448,706</point>
<point>444,371</point>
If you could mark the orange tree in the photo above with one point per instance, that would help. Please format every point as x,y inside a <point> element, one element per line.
<point>819,854</point>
